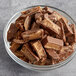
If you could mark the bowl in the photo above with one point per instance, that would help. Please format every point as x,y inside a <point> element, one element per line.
<point>25,64</point>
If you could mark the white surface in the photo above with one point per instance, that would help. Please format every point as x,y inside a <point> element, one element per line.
<point>10,68</point>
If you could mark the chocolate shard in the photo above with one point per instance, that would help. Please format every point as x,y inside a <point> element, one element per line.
<point>32,34</point>
<point>18,41</point>
<point>71,38</point>
<point>34,26</point>
<point>51,27</point>
<point>14,47</point>
<point>27,23</point>
<point>52,53</point>
<point>48,10</point>
<point>63,37</point>
<point>11,32</point>
<point>39,49</point>
<point>31,11</point>
<point>58,16</point>
<point>67,28</point>
<point>52,43</point>
<point>26,50</point>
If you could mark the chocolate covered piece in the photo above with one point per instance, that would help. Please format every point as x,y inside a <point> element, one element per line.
<point>26,50</point>
<point>18,41</point>
<point>32,34</point>
<point>52,53</point>
<point>52,43</point>
<point>27,23</point>
<point>11,32</point>
<point>39,49</point>
<point>51,27</point>
<point>31,11</point>
<point>14,46</point>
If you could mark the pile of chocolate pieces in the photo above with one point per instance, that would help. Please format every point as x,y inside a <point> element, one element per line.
<point>41,36</point>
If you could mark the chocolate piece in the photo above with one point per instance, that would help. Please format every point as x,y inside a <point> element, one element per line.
<point>48,10</point>
<point>26,50</point>
<point>52,43</point>
<point>39,49</point>
<point>52,53</point>
<point>34,26</point>
<point>32,34</point>
<point>14,47</point>
<point>62,31</point>
<point>31,11</point>
<point>50,26</point>
<point>19,54</point>
<point>67,28</point>
<point>72,38</point>
<point>58,16</point>
<point>11,32</point>
<point>27,23</point>
<point>18,41</point>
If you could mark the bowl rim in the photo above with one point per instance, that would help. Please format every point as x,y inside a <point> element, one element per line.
<point>32,66</point>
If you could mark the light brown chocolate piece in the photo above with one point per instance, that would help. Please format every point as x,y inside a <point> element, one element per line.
<point>11,32</point>
<point>32,34</point>
<point>39,49</point>
<point>27,23</point>
<point>72,38</point>
<point>47,10</point>
<point>52,43</point>
<point>31,11</point>
<point>67,28</point>
<point>18,41</point>
<point>14,47</point>
<point>34,26</point>
<point>62,31</point>
<point>52,53</point>
<point>58,16</point>
<point>50,27</point>
<point>26,50</point>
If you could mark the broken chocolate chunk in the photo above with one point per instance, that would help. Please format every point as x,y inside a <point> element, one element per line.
<point>28,53</point>
<point>32,34</point>
<point>11,32</point>
<point>27,23</point>
<point>52,43</point>
<point>52,53</point>
<point>39,49</point>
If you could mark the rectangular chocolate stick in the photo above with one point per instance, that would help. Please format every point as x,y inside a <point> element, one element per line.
<point>51,27</point>
<point>57,17</point>
<point>52,43</point>
<point>32,34</point>
<point>31,11</point>
<point>67,28</point>
<point>39,49</point>
<point>26,50</point>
